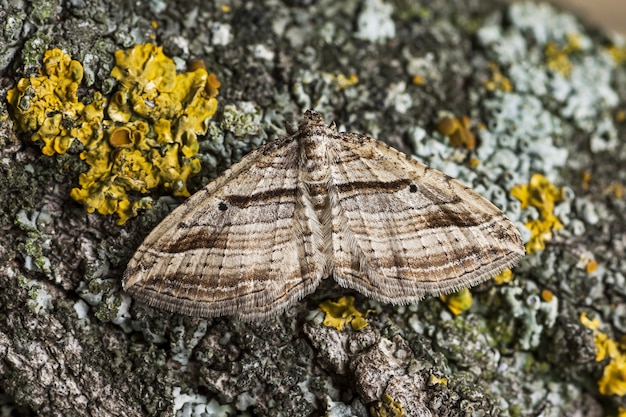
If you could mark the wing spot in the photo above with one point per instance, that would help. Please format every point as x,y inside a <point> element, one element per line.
<point>222,206</point>
<point>413,188</point>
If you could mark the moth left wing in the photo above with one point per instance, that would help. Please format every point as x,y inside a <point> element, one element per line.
<point>243,245</point>
<point>402,230</point>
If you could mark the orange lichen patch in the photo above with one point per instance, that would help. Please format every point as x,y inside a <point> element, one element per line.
<point>458,130</point>
<point>547,295</point>
<point>557,58</point>
<point>473,162</point>
<point>586,179</point>
<point>504,277</point>
<point>591,267</point>
<point>212,85</point>
<point>387,407</point>
<point>458,302</point>
<point>342,312</point>
<point>122,137</point>
<point>620,116</point>
<point>48,104</point>
<point>541,194</point>
<point>587,262</point>
<point>614,189</point>
<point>344,82</point>
<point>418,80</point>
<point>497,81</point>
<point>613,380</point>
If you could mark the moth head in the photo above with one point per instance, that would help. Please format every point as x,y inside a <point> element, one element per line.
<point>312,118</point>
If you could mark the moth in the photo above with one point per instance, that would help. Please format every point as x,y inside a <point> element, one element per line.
<point>314,205</point>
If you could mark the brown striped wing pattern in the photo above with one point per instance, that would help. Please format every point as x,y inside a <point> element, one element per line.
<point>402,230</point>
<point>317,204</point>
<point>241,246</point>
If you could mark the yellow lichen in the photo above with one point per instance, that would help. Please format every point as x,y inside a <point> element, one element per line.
<point>586,180</point>
<point>504,277</point>
<point>342,312</point>
<point>344,82</point>
<point>387,407</point>
<point>458,130</point>
<point>557,58</point>
<point>497,81</point>
<point>418,80</point>
<point>541,194</point>
<point>458,302</point>
<point>48,104</point>
<point>613,380</point>
<point>150,136</point>
<point>618,53</point>
<point>435,380</point>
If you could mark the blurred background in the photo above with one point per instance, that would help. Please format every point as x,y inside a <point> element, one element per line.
<point>608,14</point>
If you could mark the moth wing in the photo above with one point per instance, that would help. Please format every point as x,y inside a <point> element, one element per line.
<point>402,230</point>
<point>241,246</point>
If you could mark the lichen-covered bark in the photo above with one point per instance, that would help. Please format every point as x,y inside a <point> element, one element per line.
<point>542,93</point>
<point>53,362</point>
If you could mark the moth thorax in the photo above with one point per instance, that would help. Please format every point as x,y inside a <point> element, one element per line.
<point>314,156</point>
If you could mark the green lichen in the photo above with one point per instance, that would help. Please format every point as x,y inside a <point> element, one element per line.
<point>241,121</point>
<point>32,247</point>
<point>34,48</point>
<point>108,310</point>
<point>39,300</point>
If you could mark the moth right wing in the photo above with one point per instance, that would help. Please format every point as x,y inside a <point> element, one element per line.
<point>244,245</point>
<point>402,230</point>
